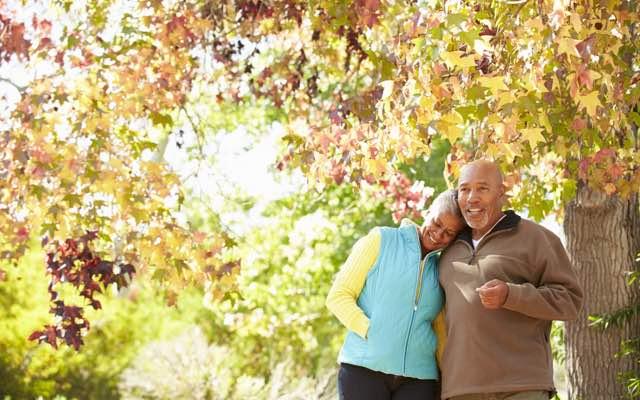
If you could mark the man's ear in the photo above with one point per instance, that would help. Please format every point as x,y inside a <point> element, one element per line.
<point>503,189</point>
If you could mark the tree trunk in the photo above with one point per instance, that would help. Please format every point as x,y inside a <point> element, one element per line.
<point>603,239</point>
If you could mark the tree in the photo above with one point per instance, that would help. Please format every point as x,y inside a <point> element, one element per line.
<point>548,88</point>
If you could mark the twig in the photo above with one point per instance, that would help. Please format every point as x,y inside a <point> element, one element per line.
<point>20,89</point>
<point>196,130</point>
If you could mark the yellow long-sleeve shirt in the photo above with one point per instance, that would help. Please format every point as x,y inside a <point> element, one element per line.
<point>349,282</point>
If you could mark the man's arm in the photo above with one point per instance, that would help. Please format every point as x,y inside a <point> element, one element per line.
<point>557,297</point>
<point>349,282</point>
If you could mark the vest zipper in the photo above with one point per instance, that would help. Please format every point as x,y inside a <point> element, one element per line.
<point>413,313</point>
<point>419,286</point>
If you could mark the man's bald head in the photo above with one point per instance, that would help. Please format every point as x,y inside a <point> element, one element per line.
<point>486,168</point>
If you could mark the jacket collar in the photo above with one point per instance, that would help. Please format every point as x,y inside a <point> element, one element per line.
<point>510,221</point>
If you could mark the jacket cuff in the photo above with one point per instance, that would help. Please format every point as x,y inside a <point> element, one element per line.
<point>513,297</point>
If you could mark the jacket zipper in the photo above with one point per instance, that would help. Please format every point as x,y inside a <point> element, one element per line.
<point>474,250</point>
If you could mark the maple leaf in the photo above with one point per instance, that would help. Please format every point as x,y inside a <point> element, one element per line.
<point>578,124</point>
<point>494,83</point>
<point>568,46</point>
<point>369,12</point>
<point>450,126</point>
<point>533,136</point>
<point>455,59</point>
<point>590,102</point>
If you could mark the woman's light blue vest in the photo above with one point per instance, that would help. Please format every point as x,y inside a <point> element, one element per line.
<point>401,297</point>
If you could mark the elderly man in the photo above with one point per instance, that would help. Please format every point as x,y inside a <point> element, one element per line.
<point>505,279</point>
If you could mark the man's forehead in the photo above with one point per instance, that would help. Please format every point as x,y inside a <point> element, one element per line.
<point>479,174</point>
<point>469,180</point>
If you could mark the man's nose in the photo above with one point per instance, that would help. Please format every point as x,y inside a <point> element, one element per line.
<point>473,195</point>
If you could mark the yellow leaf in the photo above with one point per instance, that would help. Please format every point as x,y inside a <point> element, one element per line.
<point>505,97</point>
<point>576,22</point>
<point>590,102</point>
<point>376,167</point>
<point>506,151</point>
<point>494,83</point>
<point>568,46</point>
<point>510,151</point>
<point>533,136</point>
<point>450,126</point>
<point>493,151</point>
<point>424,112</point>
<point>610,188</point>
<point>594,75</point>
<point>454,59</point>
<point>544,120</point>
<point>535,24</point>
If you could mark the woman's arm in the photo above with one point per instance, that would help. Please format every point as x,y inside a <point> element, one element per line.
<point>349,282</point>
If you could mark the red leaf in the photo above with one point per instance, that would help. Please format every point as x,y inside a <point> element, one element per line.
<point>13,41</point>
<point>36,335</point>
<point>578,124</point>
<point>602,154</point>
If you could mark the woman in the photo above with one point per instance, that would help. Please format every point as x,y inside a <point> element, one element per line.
<point>387,295</point>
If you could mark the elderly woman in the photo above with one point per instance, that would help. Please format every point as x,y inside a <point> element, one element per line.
<point>387,295</point>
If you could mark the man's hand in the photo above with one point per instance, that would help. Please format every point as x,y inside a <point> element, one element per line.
<point>493,294</point>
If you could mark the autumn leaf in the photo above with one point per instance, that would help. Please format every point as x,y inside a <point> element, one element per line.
<point>568,46</point>
<point>495,84</point>
<point>533,136</point>
<point>590,102</point>
<point>451,127</point>
<point>610,188</point>
<point>376,167</point>
<point>455,59</point>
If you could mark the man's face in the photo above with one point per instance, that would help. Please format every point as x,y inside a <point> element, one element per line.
<point>480,192</point>
<point>439,230</point>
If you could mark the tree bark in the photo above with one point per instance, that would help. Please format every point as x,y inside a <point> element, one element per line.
<point>603,239</point>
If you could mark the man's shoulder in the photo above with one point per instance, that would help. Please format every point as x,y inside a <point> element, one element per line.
<point>534,229</point>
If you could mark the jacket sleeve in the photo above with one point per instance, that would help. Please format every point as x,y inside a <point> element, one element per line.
<point>557,296</point>
<point>349,282</point>
<point>440,329</point>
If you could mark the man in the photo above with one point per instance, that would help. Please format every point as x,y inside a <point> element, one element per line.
<point>505,279</point>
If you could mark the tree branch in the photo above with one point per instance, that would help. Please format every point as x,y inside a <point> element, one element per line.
<point>20,89</point>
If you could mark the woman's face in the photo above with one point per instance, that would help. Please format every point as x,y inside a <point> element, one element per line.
<point>439,230</point>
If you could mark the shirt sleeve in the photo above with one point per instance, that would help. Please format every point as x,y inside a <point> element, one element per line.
<point>350,280</point>
<point>557,296</point>
<point>440,329</point>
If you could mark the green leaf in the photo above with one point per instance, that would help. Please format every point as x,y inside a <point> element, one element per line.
<point>470,36</point>
<point>436,33</point>
<point>455,19</point>
<point>161,119</point>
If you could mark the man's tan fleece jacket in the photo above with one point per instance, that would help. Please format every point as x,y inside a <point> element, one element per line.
<point>505,350</point>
